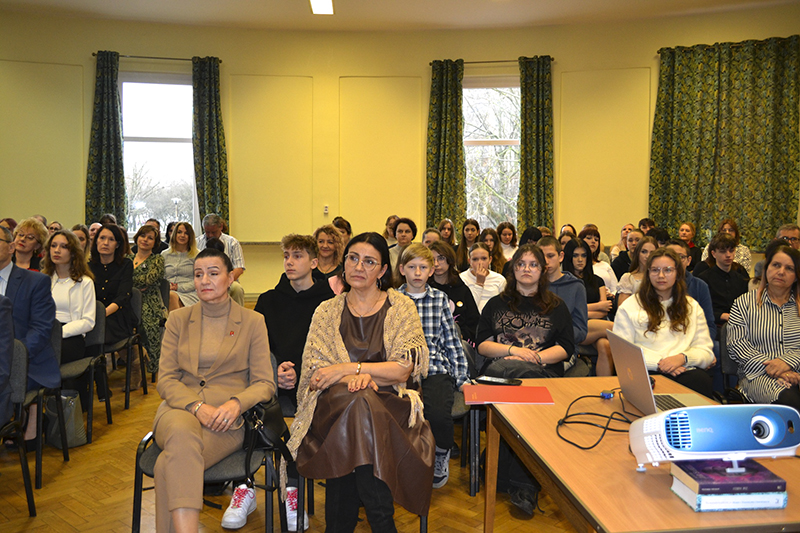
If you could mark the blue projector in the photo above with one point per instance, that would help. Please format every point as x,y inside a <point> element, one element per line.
<point>727,432</point>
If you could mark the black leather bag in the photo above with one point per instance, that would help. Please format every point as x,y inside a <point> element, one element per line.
<point>73,419</point>
<point>265,429</point>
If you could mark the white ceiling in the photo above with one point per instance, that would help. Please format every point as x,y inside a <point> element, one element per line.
<point>382,15</point>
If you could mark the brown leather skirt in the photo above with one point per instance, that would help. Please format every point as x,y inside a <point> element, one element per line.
<point>368,427</point>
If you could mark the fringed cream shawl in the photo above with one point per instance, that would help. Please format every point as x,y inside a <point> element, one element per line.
<point>403,341</point>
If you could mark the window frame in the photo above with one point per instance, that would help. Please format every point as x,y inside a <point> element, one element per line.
<point>490,82</point>
<point>159,78</point>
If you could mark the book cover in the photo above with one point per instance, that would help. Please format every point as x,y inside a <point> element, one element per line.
<point>482,394</point>
<point>711,477</point>
<point>743,501</point>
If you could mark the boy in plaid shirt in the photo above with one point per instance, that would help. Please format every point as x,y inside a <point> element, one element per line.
<point>448,365</point>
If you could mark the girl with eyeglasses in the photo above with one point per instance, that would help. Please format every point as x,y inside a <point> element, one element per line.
<point>524,332</point>
<point>364,357</point>
<point>668,324</point>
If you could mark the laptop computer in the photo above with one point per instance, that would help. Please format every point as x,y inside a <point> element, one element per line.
<point>635,381</point>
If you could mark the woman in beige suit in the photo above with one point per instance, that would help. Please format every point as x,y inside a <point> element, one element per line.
<point>215,365</point>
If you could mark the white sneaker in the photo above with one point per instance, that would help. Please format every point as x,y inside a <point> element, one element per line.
<point>291,510</point>
<point>242,504</point>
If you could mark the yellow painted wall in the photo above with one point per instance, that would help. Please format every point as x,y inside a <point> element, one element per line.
<point>325,90</point>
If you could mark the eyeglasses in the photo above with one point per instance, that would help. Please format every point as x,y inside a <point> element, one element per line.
<point>791,239</point>
<point>533,265</point>
<point>683,257</point>
<point>368,263</point>
<point>667,271</point>
<point>5,241</point>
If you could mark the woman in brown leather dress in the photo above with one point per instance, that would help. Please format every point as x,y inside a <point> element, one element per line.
<point>359,422</point>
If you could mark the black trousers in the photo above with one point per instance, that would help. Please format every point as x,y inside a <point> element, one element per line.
<point>790,397</point>
<point>437,397</point>
<point>344,495</point>
<point>696,379</point>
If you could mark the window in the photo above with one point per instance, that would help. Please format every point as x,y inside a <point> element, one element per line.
<point>157,153</point>
<point>491,149</point>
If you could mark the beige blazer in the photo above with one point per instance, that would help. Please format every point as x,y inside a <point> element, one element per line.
<point>243,368</point>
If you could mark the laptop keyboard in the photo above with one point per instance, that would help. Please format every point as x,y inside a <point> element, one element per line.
<point>665,402</point>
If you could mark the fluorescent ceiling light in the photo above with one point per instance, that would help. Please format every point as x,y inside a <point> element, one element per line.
<point>322,7</point>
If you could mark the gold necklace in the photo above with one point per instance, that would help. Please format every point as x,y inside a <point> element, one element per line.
<point>371,307</point>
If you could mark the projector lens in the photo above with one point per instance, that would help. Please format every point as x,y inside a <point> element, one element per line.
<point>760,430</point>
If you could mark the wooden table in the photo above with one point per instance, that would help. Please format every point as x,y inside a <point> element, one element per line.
<point>599,489</point>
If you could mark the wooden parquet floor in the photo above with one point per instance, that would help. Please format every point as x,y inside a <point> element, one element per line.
<point>93,492</point>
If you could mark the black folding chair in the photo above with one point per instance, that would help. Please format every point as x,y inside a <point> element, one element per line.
<point>128,344</point>
<point>37,397</point>
<point>15,429</point>
<point>241,464</point>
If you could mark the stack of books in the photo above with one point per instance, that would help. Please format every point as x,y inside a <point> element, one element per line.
<point>708,486</point>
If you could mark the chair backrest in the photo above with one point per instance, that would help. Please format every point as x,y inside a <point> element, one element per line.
<point>55,339</point>
<point>97,336</point>
<point>728,365</point>
<point>475,361</point>
<point>165,292</point>
<point>136,305</point>
<point>18,380</point>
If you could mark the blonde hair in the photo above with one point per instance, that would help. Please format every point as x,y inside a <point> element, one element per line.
<point>331,231</point>
<point>38,228</point>
<point>411,252</point>
<point>414,251</point>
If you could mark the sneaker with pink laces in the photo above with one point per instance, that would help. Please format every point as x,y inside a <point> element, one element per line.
<point>291,510</point>
<point>242,504</point>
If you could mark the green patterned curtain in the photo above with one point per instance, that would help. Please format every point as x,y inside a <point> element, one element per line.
<point>725,137</point>
<point>446,171</point>
<point>208,139</point>
<point>535,202</point>
<point>105,175</point>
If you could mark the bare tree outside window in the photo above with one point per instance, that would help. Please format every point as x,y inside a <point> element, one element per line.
<point>147,199</point>
<point>491,151</point>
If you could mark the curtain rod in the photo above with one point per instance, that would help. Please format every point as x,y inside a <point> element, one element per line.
<point>487,62</point>
<point>153,57</point>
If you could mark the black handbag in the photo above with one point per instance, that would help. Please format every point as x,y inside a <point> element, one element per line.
<point>73,420</point>
<point>265,429</point>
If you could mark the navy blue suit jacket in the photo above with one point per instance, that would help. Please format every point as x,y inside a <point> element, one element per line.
<point>6,353</point>
<point>34,311</point>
